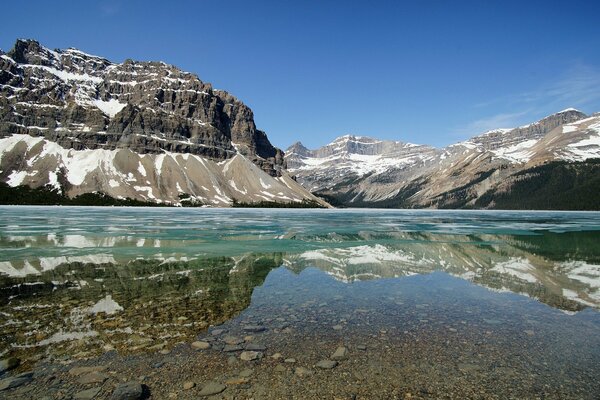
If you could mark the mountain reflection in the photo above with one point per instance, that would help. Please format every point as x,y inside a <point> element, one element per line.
<point>561,270</point>
<point>86,304</point>
<point>140,305</point>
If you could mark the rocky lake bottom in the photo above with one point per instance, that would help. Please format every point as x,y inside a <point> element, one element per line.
<point>300,305</point>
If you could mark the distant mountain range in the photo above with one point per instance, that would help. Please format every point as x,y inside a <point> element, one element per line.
<point>74,124</point>
<point>553,163</point>
<point>77,123</point>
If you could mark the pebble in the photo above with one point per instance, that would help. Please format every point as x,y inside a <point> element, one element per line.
<point>280,368</point>
<point>86,370</point>
<point>302,372</point>
<point>231,360</point>
<point>250,355</point>
<point>218,332</point>
<point>326,364</point>
<point>246,373</point>
<point>165,352</point>
<point>255,347</point>
<point>529,332</point>
<point>341,353</point>
<point>254,328</point>
<point>16,381</point>
<point>87,394</point>
<point>361,347</point>
<point>232,347</point>
<point>337,327</point>
<point>128,391</point>
<point>9,363</point>
<point>237,381</point>
<point>290,360</point>
<point>92,377</point>
<point>212,388</point>
<point>276,356</point>
<point>233,340</point>
<point>200,345</point>
<point>188,385</point>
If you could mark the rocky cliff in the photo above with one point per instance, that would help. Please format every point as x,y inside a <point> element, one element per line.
<point>145,130</point>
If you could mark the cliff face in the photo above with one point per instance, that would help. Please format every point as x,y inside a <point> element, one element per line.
<point>80,101</point>
<point>78,124</point>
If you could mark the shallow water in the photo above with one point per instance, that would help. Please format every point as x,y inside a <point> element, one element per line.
<point>429,304</point>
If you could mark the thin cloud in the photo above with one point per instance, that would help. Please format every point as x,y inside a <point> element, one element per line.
<point>579,87</point>
<point>504,120</point>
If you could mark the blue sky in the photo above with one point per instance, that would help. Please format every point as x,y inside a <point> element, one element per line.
<point>431,72</point>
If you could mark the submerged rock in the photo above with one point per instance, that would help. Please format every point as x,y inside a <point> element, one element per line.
<point>9,363</point>
<point>128,391</point>
<point>87,394</point>
<point>233,340</point>
<point>200,345</point>
<point>254,328</point>
<point>212,388</point>
<point>250,355</point>
<point>16,381</point>
<point>92,377</point>
<point>341,353</point>
<point>327,364</point>
<point>231,348</point>
<point>255,347</point>
<point>302,372</point>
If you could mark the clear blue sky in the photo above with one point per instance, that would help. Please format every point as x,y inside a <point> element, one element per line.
<point>431,72</point>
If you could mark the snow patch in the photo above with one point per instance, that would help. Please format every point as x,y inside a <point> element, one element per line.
<point>111,107</point>
<point>106,305</point>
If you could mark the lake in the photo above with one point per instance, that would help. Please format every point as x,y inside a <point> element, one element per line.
<point>279,303</point>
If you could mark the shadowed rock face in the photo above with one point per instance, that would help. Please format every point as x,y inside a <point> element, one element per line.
<point>82,101</point>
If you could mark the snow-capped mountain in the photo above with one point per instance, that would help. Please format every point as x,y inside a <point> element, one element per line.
<point>143,130</point>
<point>360,171</point>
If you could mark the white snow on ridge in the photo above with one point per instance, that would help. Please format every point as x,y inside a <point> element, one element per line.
<point>587,148</point>
<point>67,76</point>
<point>516,153</point>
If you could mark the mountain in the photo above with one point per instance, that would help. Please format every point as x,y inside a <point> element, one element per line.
<point>531,166</point>
<point>148,131</point>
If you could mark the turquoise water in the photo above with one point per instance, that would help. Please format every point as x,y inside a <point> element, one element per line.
<point>463,285</point>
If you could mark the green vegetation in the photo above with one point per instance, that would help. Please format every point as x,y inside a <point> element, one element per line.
<point>46,196</point>
<point>558,185</point>
<point>273,204</point>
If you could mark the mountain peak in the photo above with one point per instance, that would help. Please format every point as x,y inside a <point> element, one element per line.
<point>570,109</point>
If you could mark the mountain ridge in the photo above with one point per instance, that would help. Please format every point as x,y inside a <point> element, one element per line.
<point>79,123</point>
<point>408,175</point>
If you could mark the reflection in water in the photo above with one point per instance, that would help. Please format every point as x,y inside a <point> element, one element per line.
<point>84,309</point>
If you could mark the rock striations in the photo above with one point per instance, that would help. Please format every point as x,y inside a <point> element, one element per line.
<point>143,130</point>
<point>522,162</point>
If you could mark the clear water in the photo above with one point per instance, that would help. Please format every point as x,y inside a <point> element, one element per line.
<point>497,303</point>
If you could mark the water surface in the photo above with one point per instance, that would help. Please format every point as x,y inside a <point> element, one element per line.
<point>429,304</point>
